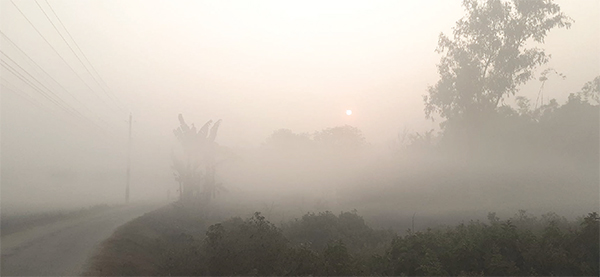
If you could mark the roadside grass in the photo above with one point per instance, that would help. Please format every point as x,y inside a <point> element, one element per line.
<point>146,245</point>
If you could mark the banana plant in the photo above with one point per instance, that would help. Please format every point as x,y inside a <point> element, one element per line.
<point>199,148</point>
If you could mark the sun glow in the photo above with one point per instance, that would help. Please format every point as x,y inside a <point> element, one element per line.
<point>348,112</point>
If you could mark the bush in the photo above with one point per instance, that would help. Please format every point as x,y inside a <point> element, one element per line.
<point>251,247</point>
<point>500,248</point>
<point>318,230</point>
<point>329,245</point>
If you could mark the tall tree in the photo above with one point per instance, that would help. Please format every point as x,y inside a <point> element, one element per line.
<point>487,57</point>
<point>590,92</point>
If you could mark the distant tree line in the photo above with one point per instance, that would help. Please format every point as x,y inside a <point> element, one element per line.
<point>570,131</point>
<point>334,140</point>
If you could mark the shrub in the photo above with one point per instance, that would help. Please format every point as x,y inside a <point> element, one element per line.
<point>245,247</point>
<point>318,230</point>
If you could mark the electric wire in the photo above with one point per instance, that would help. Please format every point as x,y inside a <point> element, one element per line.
<point>31,100</point>
<point>35,79</point>
<point>57,100</point>
<point>8,86</point>
<point>77,45</point>
<point>60,102</point>
<point>21,93</point>
<point>73,51</point>
<point>60,56</point>
<point>24,79</point>
<point>42,69</point>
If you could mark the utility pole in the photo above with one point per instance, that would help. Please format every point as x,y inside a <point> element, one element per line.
<point>128,163</point>
<point>413,223</point>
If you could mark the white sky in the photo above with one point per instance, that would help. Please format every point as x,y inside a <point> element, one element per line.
<point>258,65</point>
<point>263,65</point>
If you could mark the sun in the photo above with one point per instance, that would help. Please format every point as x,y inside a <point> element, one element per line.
<point>348,112</point>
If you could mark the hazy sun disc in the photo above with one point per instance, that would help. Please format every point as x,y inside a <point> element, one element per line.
<point>348,112</point>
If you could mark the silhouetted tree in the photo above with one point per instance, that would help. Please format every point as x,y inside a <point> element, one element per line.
<point>341,138</point>
<point>286,140</point>
<point>199,148</point>
<point>590,92</point>
<point>486,58</point>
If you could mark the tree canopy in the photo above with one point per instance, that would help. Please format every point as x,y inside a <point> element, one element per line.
<point>341,138</point>
<point>285,139</point>
<point>488,57</point>
<point>591,91</point>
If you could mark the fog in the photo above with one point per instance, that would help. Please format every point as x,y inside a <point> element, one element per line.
<point>280,76</point>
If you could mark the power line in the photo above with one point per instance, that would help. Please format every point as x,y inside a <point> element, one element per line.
<point>23,79</point>
<point>55,51</point>
<point>77,45</point>
<point>61,104</point>
<point>81,51</point>
<point>75,114</point>
<point>47,74</point>
<point>21,93</point>
<point>41,84</point>
<point>29,99</point>
<point>42,69</point>
<point>73,51</point>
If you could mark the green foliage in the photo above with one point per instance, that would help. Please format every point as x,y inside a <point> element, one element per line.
<point>181,254</point>
<point>504,248</point>
<point>317,231</point>
<point>302,261</point>
<point>486,59</point>
<point>336,261</point>
<point>521,245</point>
<point>251,247</point>
<point>256,247</point>
<point>585,246</point>
<point>314,245</point>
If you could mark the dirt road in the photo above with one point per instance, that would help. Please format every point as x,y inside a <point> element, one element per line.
<point>62,248</point>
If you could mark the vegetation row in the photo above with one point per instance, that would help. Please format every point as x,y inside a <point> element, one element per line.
<point>334,245</point>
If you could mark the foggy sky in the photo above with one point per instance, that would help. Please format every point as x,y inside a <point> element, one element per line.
<point>257,65</point>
